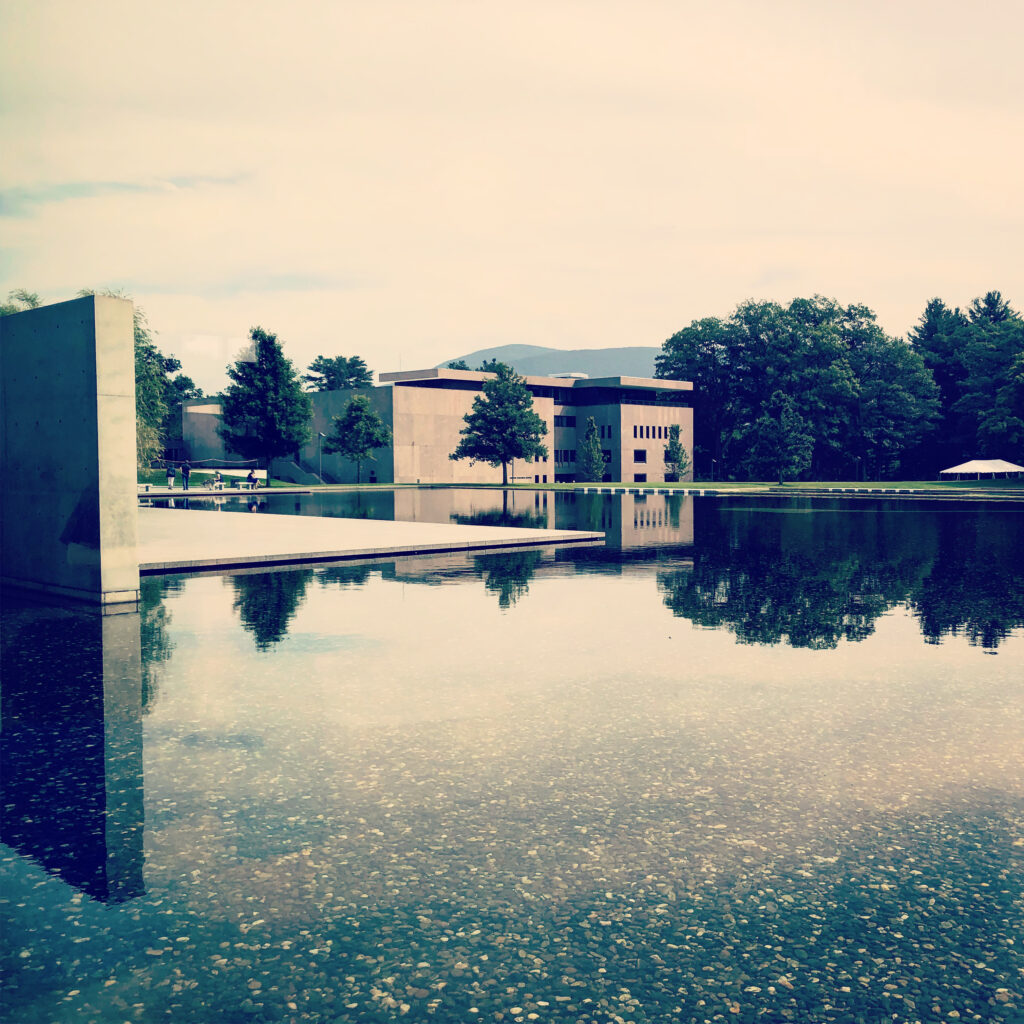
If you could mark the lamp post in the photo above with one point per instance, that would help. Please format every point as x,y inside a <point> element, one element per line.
<point>713,464</point>
<point>320,453</point>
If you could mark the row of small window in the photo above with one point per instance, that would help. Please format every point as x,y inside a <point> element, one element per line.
<point>659,433</point>
<point>640,455</point>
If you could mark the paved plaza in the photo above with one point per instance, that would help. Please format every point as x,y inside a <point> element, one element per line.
<point>171,539</point>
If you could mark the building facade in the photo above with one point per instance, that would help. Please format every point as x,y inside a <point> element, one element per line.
<point>426,410</point>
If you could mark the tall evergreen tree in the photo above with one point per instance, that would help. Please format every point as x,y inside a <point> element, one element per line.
<point>266,413</point>
<point>357,433</point>
<point>590,463</point>
<point>502,425</point>
<point>677,462</point>
<point>779,443</point>
<point>972,357</point>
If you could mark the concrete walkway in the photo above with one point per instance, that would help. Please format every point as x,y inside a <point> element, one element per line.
<point>181,540</point>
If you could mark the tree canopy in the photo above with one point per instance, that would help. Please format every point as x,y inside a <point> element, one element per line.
<point>865,398</point>
<point>18,300</point>
<point>502,425</point>
<point>338,373</point>
<point>357,433</point>
<point>457,364</point>
<point>977,359</point>
<point>266,413</point>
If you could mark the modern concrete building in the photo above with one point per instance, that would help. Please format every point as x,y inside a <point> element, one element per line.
<point>68,504</point>
<point>426,408</point>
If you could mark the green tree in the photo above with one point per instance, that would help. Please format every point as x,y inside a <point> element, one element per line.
<point>266,413</point>
<point>338,373</point>
<point>357,433</point>
<point>590,463</point>
<point>701,353</point>
<point>178,388</point>
<point>508,575</point>
<point>972,356</point>
<point>150,384</point>
<point>896,405</point>
<point>489,366</point>
<point>267,603</point>
<point>458,364</point>
<point>812,350</point>
<point>502,424</point>
<point>677,462</point>
<point>779,443</point>
<point>19,300</point>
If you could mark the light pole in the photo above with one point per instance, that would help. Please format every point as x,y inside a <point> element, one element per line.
<point>713,464</point>
<point>320,452</point>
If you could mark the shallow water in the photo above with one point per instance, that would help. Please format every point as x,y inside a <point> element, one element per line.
<point>757,761</point>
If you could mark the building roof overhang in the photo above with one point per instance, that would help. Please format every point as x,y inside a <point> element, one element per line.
<point>442,373</point>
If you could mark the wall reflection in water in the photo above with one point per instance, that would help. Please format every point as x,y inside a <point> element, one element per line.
<point>71,745</point>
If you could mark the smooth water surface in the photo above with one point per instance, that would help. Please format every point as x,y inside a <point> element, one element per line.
<point>758,760</point>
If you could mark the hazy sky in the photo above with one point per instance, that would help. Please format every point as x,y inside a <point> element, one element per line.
<point>413,181</point>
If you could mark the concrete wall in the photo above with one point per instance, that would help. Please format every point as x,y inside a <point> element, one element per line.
<point>68,496</point>
<point>326,406</point>
<point>649,419</point>
<point>200,419</point>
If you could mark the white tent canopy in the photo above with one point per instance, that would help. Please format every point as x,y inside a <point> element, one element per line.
<point>980,466</point>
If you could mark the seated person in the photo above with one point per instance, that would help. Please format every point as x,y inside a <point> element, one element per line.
<point>251,480</point>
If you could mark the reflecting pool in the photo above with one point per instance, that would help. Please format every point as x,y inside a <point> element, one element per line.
<point>756,760</point>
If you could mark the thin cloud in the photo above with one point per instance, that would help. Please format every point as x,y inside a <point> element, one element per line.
<point>22,201</point>
<point>258,282</point>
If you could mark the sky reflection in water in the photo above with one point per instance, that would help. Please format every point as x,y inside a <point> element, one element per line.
<point>758,763</point>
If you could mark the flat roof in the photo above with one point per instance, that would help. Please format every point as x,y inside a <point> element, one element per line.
<point>442,373</point>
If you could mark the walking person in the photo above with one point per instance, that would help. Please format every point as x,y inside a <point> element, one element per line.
<point>170,476</point>
<point>186,472</point>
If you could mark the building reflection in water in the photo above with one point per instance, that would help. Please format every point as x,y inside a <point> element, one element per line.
<point>71,744</point>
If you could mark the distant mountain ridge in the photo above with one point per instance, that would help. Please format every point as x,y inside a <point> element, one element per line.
<point>540,361</point>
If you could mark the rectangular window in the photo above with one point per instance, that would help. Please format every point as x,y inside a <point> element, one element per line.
<point>648,431</point>
<point>607,455</point>
<point>639,478</point>
<point>659,434</point>
<point>565,421</point>
<point>609,433</point>
<point>634,430</point>
<point>639,454</point>
<point>545,480</point>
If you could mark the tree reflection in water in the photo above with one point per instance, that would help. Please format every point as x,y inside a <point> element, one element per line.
<point>267,602</point>
<point>508,574</point>
<point>771,575</point>
<point>156,644</point>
